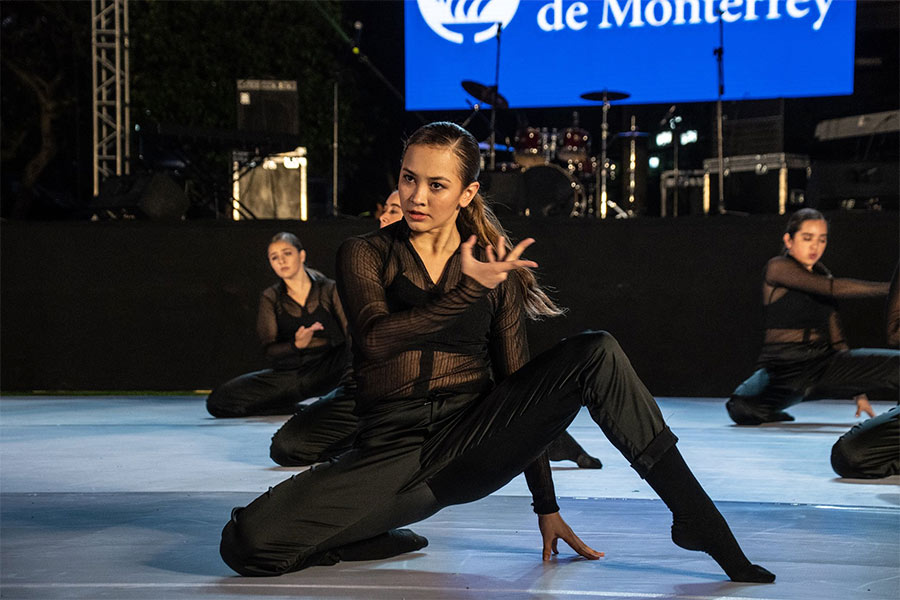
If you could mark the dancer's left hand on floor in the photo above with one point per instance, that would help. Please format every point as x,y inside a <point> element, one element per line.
<point>554,528</point>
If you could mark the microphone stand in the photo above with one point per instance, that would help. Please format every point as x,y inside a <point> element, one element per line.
<point>335,211</point>
<point>493,151</point>
<point>719,53</point>
<point>377,72</point>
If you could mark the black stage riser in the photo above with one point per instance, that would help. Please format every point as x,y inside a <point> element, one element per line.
<point>157,306</point>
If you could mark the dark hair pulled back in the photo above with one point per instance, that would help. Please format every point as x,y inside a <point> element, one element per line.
<point>477,218</point>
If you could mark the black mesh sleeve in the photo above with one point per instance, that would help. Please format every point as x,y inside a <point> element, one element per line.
<point>509,352</point>
<point>893,311</point>
<point>376,332</point>
<point>785,272</point>
<point>836,332</point>
<point>267,329</point>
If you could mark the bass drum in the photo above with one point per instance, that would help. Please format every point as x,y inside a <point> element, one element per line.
<point>574,145</point>
<point>551,191</point>
<point>535,146</point>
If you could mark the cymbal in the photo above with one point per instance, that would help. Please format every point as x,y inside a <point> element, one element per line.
<point>485,93</point>
<point>605,95</point>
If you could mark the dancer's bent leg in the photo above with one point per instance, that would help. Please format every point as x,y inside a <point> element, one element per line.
<point>346,510</point>
<point>757,401</point>
<point>870,449</point>
<point>504,432</point>
<point>319,432</point>
<point>266,392</point>
<point>857,371</point>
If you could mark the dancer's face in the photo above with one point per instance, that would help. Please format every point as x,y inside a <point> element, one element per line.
<point>392,211</point>
<point>285,259</point>
<point>431,191</point>
<point>807,245</point>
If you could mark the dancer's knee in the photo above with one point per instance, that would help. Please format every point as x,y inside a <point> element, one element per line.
<point>221,405</point>
<point>286,452</point>
<point>247,552</point>
<point>741,411</point>
<point>594,343</point>
<point>846,460</point>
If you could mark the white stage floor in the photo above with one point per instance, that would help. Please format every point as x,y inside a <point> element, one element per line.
<point>125,497</point>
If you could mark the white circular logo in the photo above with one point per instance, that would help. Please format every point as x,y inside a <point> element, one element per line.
<point>453,20</point>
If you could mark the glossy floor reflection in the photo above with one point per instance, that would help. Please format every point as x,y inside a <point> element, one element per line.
<point>124,497</point>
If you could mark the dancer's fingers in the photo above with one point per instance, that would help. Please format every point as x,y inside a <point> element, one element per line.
<point>516,252</point>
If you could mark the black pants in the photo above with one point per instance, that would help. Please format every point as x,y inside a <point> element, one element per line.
<point>414,457</point>
<point>793,373</point>
<point>276,392</point>
<point>870,449</point>
<point>327,428</point>
<point>318,432</point>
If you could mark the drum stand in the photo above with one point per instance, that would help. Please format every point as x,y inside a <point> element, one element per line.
<point>603,203</point>
<point>602,199</point>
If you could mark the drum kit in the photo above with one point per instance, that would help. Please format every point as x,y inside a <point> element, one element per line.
<point>561,176</point>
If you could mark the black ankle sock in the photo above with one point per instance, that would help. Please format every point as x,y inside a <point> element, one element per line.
<point>566,448</point>
<point>386,545</point>
<point>696,522</point>
<point>586,461</point>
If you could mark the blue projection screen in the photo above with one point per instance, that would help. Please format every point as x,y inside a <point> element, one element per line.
<point>658,51</point>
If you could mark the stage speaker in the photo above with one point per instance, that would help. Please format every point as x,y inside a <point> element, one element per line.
<point>144,195</point>
<point>270,187</point>
<point>267,105</point>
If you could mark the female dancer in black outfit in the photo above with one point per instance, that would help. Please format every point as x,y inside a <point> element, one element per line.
<point>303,332</point>
<point>450,411</point>
<point>804,355</point>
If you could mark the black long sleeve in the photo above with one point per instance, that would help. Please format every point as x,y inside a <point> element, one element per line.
<point>783,271</point>
<point>509,352</point>
<point>892,322</point>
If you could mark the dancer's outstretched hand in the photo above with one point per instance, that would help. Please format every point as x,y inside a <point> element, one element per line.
<point>499,263</point>
<point>553,528</point>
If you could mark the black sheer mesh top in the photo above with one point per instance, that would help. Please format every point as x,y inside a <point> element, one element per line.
<point>280,316</point>
<point>413,337</point>
<point>801,305</point>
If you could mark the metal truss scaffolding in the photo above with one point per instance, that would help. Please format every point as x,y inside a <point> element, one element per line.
<point>111,114</point>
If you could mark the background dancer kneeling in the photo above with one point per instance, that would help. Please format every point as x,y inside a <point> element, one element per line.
<point>804,354</point>
<point>303,332</point>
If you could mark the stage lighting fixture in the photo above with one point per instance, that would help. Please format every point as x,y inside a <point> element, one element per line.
<point>688,137</point>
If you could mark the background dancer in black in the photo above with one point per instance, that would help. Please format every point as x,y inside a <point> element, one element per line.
<point>450,411</point>
<point>804,354</point>
<point>303,332</point>
<point>872,449</point>
<point>326,428</point>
